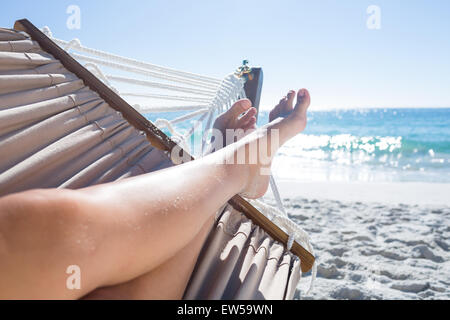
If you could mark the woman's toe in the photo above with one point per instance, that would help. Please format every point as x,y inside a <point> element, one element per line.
<point>303,102</point>
<point>243,121</point>
<point>289,106</point>
<point>239,108</point>
<point>284,107</point>
<point>251,124</point>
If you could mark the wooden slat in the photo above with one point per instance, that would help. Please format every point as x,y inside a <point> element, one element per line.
<point>156,137</point>
<point>306,258</point>
<point>253,86</point>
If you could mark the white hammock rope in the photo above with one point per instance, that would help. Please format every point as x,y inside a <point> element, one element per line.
<point>147,83</point>
<point>123,67</point>
<point>276,195</point>
<point>188,116</point>
<point>215,95</point>
<point>76,44</point>
<point>162,108</point>
<point>165,97</point>
<point>295,232</point>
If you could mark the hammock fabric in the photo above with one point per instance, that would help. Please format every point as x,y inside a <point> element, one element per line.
<point>56,132</point>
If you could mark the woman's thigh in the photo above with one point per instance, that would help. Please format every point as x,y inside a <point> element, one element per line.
<point>167,281</point>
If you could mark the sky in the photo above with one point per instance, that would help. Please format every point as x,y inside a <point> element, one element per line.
<point>322,45</point>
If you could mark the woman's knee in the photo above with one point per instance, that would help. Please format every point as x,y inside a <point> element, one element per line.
<point>36,211</point>
<point>39,230</point>
<point>42,223</point>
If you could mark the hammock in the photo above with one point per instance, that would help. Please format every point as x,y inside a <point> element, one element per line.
<point>61,127</point>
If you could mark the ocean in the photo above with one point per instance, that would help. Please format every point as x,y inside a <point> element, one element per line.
<point>381,145</point>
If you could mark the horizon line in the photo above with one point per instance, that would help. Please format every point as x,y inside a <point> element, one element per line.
<point>319,108</point>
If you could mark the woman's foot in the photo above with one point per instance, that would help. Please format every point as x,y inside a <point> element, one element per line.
<point>251,156</point>
<point>284,107</point>
<point>243,116</point>
<point>240,118</point>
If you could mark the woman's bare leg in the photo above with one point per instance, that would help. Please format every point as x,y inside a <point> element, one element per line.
<point>119,231</point>
<point>166,281</point>
<point>114,232</point>
<point>169,280</point>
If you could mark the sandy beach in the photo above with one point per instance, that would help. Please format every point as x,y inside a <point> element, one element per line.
<point>374,241</point>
